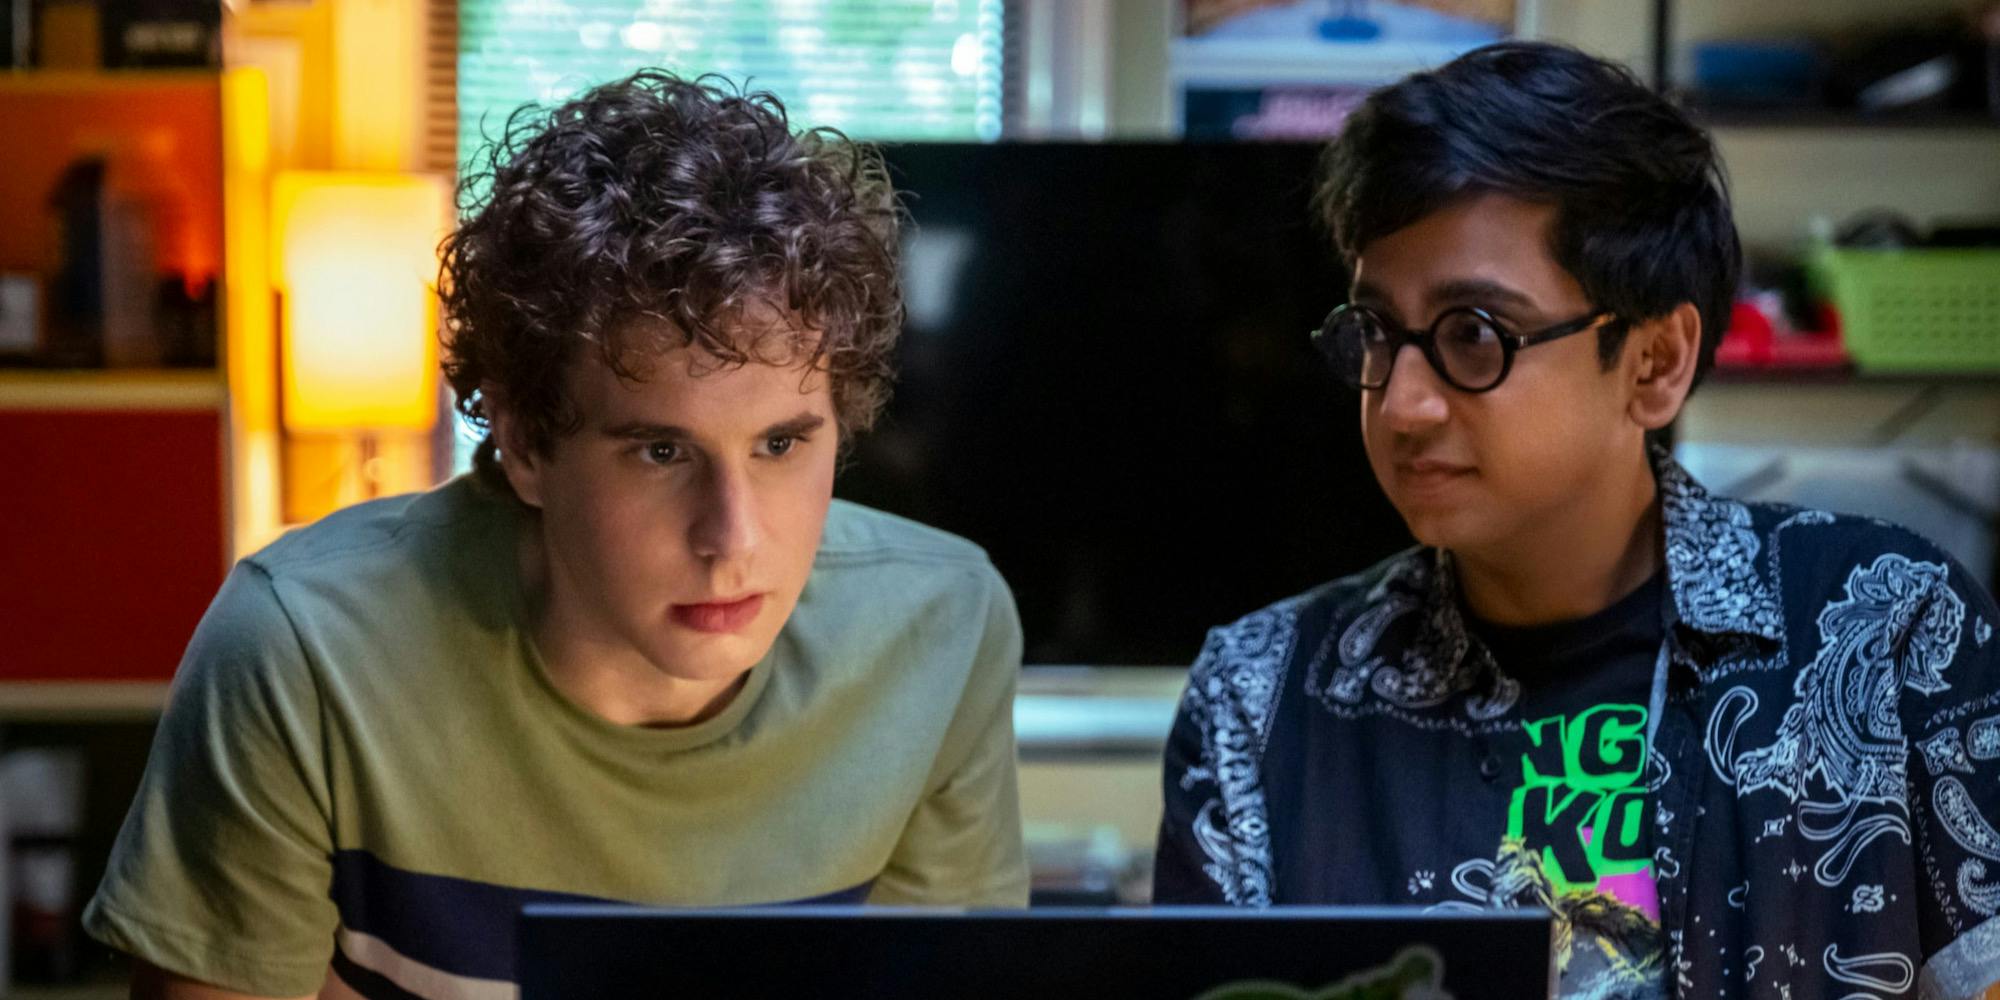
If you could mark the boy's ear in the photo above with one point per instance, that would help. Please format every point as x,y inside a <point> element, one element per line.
<point>520,463</point>
<point>1660,358</point>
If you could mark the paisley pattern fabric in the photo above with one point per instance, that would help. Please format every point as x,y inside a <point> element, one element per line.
<point>1826,772</point>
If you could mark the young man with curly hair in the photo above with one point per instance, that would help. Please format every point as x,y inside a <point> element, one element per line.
<point>1738,749</point>
<point>640,654</point>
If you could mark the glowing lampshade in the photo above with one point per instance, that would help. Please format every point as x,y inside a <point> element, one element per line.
<point>356,254</point>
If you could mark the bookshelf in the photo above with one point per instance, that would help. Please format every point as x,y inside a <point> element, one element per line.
<point>116,512</point>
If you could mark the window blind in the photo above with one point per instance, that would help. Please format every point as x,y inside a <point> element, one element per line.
<point>439,148</point>
<point>876,69</point>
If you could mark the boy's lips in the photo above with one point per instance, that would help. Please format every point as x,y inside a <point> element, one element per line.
<point>1428,474</point>
<point>719,616</point>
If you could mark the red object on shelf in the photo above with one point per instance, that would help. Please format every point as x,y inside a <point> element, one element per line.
<point>111,540</point>
<point>1754,344</point>
<point>1748,341</point>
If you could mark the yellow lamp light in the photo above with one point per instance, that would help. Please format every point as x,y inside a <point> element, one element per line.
<point>355,256</point>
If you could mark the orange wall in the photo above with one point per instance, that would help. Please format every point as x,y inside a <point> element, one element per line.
<point>51,119</point>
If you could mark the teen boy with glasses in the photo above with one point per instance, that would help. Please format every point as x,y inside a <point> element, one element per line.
<point>1739,749</point>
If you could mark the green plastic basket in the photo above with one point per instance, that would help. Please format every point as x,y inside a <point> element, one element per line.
<point>1915,310</point>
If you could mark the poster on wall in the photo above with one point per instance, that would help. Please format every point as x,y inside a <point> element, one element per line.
<point>1294,69</point>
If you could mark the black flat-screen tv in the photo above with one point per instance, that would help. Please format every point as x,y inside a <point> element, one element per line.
<point>1106,381</point>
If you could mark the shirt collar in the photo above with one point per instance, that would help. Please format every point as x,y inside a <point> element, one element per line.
<point>1719,583</point>
<point>1445,657</point>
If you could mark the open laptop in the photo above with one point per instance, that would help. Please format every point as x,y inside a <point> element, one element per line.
<point>1304,953</point>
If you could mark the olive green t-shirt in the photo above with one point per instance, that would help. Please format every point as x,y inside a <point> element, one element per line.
<point>364,765</point>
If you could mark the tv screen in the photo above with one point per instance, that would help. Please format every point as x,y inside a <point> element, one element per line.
<point>1106,381</point>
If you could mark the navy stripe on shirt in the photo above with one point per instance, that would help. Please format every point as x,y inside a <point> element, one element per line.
<point>456,925</point>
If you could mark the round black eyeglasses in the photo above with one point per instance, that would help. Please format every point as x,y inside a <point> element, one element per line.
<point>1470,348</point>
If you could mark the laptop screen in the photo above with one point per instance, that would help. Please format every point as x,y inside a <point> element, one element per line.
<point>1321,953</point>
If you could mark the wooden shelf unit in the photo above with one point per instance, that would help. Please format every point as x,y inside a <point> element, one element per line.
<point>116,523</point>
<point>112,389</point>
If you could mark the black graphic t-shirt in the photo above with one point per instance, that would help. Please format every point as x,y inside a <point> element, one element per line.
<point>1579,808</point>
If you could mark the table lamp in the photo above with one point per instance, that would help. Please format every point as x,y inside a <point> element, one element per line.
<point>356,259</point>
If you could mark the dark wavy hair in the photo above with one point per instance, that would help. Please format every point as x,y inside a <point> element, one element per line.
<point>1642,205</point>
<point>690,202</point>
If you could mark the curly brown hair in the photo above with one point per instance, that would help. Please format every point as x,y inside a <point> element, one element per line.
<point>689,202</point>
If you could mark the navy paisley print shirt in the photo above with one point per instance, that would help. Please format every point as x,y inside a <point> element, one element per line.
<point>1824,773</point>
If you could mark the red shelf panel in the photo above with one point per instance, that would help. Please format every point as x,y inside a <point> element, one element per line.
<point>111,540</point>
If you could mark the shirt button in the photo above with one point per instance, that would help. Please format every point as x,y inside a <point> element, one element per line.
<point>1489,767</point>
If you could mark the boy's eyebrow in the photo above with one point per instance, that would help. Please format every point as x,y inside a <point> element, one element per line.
<point>1365,292</point>
<point>804,423</point>
<point>1457,291</point>
<point>1480,290</point>
<point>640,431</point>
